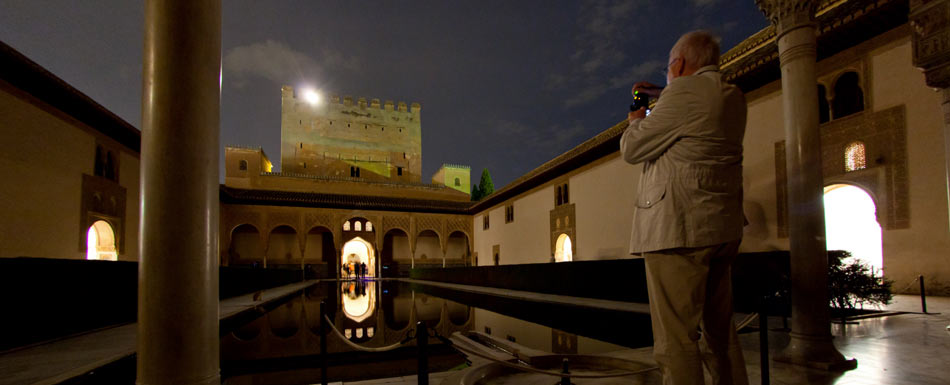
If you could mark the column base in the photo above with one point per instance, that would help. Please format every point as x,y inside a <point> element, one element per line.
<point>814,352</point>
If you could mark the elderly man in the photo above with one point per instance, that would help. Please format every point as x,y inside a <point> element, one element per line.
<point>688,219</point>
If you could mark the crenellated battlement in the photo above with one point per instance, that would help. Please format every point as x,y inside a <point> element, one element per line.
<point>361,102</point>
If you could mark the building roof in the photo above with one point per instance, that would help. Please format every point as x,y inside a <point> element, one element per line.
<point>231,195</point>
<point>24,74</point>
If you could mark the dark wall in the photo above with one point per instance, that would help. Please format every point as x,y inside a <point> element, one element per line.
<point>754,275</point>
<point>52,298</point>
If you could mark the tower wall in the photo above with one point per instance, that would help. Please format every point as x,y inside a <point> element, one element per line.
<point>334,137</point>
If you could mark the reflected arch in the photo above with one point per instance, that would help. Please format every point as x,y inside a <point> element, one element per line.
<point>563,249</point>
<point>284,321</point>
<point>851,224</point>
<point>100,242</point>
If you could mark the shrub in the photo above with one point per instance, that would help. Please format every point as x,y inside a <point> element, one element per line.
<point>855,283</point>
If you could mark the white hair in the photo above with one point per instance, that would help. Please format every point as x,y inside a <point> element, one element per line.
<point>699,48</point>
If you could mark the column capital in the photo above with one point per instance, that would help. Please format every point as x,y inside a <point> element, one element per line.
<point>787,15</point>
<point>930,21</point>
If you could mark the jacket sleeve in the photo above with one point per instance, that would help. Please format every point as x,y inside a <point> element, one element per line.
<point>646,139</point>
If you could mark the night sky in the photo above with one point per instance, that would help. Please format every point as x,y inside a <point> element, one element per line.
<point>506,85</point>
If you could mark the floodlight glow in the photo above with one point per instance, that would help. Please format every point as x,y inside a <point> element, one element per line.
<point>311,96</point>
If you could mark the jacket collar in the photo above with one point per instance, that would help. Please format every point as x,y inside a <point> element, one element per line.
<point>709,68</point>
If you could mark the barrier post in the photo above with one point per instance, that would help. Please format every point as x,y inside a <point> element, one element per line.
<point>923,295</point>
<point>764,339</point>
<point>323,342</point>
<point>566,370</point>
<point>422,343</point>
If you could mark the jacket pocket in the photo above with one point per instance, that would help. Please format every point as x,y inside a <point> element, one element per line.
<point>651,195</point>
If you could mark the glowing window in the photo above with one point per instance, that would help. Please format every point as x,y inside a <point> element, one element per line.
<point>346,226</point>
<point>370,331</point>
<point>854,157</point>
<point>358,226</point>
<point>359,333</point>
<point>369,226</point>
<point>100,242</point>
<point>348,333</point>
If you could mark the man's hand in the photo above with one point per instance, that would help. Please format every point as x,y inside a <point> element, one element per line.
<point>638,114</point>
<point>647,88</point>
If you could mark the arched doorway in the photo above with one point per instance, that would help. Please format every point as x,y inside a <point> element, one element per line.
<point>100,242</point>
<point>357,251</point>
<point>851,224</point>
<point>563,249</point>
<point>395,252</point>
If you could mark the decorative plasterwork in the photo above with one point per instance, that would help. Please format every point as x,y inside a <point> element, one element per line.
<point>787,15</point>
<point>563,221</point>
<point>930,21</point>
<point>884,135</point>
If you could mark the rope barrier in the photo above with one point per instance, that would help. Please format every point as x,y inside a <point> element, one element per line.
<point>363,348</point>
<point>540,371</point>
<point>904,290</point>
<point>745,322</point>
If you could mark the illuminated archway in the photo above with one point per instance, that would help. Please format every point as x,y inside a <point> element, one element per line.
<point>357,251</point>
<point>563,249</point>
<point>100,242</point>
<point>851,224</point>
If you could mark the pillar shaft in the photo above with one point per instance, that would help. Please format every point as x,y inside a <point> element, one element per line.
<point>178,339</point>
<point>810,342</point>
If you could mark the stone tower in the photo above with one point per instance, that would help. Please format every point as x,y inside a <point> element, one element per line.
<point>350,139</point>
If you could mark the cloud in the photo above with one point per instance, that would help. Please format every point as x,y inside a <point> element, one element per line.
<point>606,29</point>
<point>279,63</point>
<point>636,73</point>
<point>550,141</point>
<point>704,3</point>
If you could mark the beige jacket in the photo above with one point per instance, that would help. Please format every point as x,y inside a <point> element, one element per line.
<point>691,149</point>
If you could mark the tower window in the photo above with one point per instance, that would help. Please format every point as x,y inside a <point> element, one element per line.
<point>509,213</point>
<point>399,171</point>
<point>242,165</point>
<point>458,182</point>
<point>485,222</point>
<point>301,144</point>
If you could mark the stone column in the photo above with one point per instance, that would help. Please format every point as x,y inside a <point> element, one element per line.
<point>811,342</point>
<point>178,340</point>
<point>930,20</point>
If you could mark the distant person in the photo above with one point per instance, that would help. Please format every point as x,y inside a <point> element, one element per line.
<point>363,269</point>
<point>688,220</point>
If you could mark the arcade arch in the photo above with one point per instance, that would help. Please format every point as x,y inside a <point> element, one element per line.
<point>428,247</point>
<point>456,249</point>
<point>100,242</point>
<point>851,224</point>
<point>282,246</point>
<point>246,246</point>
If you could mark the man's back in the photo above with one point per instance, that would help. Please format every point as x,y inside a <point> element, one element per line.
<point>691,146</point>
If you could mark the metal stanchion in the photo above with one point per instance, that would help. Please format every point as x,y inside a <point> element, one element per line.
<point>323,342</point>
<point>566,370</point>
<point>923,295</point>
<point>422,343</point>
<point>764,339</point>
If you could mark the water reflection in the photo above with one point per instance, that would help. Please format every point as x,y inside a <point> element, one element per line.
<point>368,312</point>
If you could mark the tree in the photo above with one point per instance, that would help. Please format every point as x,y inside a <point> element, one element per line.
<point>476,193</point>
<point>485,186</point>
<point>855,283</point>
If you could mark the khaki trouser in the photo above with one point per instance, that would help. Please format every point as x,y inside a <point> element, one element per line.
<point>691,289</point>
